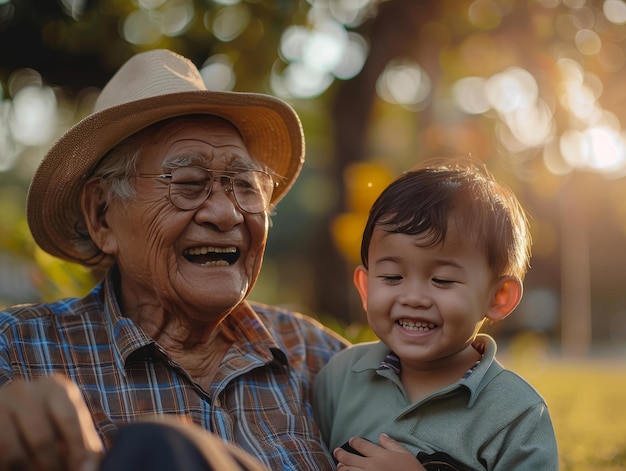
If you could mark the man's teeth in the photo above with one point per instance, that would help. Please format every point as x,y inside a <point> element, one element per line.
<point>216,263</point>
<point>412,325</point>
<point>209,256</point>
<point>206,250</point>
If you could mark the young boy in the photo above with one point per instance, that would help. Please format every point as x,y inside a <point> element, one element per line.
<point>445,249</point>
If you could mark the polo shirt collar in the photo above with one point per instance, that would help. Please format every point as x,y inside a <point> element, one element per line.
<point>487,368</point>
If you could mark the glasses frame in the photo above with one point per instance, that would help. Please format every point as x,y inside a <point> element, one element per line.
<point>213,176</point>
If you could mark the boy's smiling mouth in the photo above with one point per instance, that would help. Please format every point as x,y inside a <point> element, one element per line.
<point>212,256</point>
<point>416,325</point>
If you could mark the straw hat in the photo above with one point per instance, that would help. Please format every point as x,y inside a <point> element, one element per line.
<point>150,87</point>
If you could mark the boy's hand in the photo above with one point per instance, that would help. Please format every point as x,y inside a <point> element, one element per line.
<point>388,456</point>
<point>45,425</point>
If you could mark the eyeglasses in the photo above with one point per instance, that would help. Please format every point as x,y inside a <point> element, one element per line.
<point>190,186</point>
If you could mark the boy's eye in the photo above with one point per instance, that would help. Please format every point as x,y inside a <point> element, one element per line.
<point>440,281</point>
<point>391,278</point>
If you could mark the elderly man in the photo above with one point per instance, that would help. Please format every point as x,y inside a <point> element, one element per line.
<point>166,188</point>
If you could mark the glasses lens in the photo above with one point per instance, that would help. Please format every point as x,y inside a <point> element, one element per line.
<point>253,190</point>
<point>189,187</point>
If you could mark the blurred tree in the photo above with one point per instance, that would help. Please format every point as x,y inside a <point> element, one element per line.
<point>532,87</point>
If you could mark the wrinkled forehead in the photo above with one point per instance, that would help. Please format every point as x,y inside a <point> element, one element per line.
<point>213,130</point>
<point>196,140</point>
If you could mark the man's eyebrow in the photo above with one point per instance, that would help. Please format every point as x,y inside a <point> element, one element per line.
<point>182,159</point>
<point>233,161</point>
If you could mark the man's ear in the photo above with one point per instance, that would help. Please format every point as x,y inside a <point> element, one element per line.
<point>506,298</point>
<point>360,281</point>
<point>94,208</point>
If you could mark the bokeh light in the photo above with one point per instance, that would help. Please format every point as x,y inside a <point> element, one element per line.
<point>142,27</point>
<point>230,22</point>
<point>533,87</point>
<point>469,96</point>
<point>588,42</point>
<point>615,11</point>
<point>33,117</point>
<point>320,52</point>
<point>405,83</point>
<point>217,73</point>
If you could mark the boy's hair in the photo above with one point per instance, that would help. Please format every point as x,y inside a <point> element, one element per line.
<point>427,198</point>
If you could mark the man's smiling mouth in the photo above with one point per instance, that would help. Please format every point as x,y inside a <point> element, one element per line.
<point>209,256</point>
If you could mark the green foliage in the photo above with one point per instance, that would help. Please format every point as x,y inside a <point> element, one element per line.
<point>355,332</point>
<point>59,279</point>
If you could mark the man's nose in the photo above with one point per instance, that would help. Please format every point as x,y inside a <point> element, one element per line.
<point>220,209</point>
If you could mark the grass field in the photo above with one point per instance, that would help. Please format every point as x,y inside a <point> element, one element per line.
<point>587,402</point>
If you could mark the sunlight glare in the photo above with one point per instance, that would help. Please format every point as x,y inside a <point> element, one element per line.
<point>404,83</point>
<point>581,102</point>
<point>324,46</point>
<point>350,12</point>
<point>468,95</point>
<point>218,74</point>
<point>511,89</point>
<point>571,146</point>
<point>353,57</point>
<point>531,126</point>
<point>8,147</point>
<point>74,8</point>
<point>302,81</point>
<point>577,96</point>
<point>588,42</point>
<point>292,42</point>
<point>615,11</point>
<point>177,18</point>
<point>553,159</point>
<point>315,56</point>
<point>599,149</point>
<point>142,27</point>
<point>230,22</point>
<point>150,4</point>
<point>33,119</point>
<point>606,149</point>
<point>485,14</point>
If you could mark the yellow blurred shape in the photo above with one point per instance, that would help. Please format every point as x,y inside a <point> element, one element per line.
<point>61,279</point>
<point>346,230</point>
<point>364,183</point>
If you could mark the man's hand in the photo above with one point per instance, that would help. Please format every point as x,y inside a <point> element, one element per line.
<point>388,456</point>
<point>45,425</point>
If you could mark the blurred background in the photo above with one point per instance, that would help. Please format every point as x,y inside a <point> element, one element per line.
<point>534,88</point>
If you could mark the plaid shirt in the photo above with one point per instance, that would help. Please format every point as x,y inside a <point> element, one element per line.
<point>259,398</point>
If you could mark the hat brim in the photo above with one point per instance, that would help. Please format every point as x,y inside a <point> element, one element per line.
<point>270,128</point>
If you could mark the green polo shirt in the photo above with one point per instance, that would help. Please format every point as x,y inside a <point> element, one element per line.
<point>493,419</point>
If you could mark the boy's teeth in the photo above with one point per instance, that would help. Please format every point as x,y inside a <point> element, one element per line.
<point>412,325</point>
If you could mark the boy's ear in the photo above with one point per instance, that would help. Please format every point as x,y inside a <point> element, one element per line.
<point>360,281</point>
<point>508,295</point>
